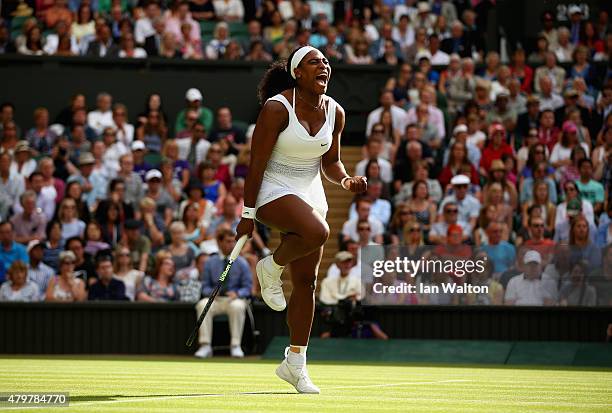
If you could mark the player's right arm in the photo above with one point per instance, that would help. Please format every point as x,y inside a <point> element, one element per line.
<point>272,120</point>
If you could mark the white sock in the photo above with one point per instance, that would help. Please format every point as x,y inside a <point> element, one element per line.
<point>297,358</point>
<point>271,265</point>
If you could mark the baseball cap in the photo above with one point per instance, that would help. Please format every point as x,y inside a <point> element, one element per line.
<point>460,180</point>
<point>460,129</point>
<point>532,256</point>
<point>138,146</point>
<point>569,127</point>
<point>423,7</point>
<point>573,10</point>
<point>32,244</point>
<point>152,174</point>
<point>343,256</point>
<point>86,158</point>
<point>193,94</point>
<point>423,55</point>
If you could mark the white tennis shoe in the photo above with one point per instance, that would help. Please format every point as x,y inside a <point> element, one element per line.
<point>205,351</point>
<point>271,285</point>
<point>297,376</point>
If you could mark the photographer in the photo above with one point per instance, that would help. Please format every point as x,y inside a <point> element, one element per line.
<point>342,312</point>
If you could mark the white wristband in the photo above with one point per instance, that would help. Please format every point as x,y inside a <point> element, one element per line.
<point>342,181</point>
<point>248,212</point>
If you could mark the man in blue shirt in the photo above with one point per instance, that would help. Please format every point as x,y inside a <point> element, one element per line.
<point>231,298</point>
<point>9,249</point>
<point>502,253</point>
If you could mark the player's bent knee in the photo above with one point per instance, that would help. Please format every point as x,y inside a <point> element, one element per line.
<point>317,235</point>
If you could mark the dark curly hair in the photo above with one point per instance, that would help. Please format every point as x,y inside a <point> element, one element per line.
<point>275,80</point>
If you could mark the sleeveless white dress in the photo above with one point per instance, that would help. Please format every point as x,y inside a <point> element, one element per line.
<point>295,164</point>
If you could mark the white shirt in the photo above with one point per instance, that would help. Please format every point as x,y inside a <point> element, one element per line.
<point>386,172</point>
<point>125,135</point>
<point>435,117</point>
<point>338,288</point>
<point>44,201</point>
<point>405,39</point>
<point>52,41</point>
<point>553,102</point>
<point>144,28</point>
<point>349,228</point>
<point>529,292</point>
<point>112,155</point>
<point>139,53</point>
<point>381,209</point>
<point>440,58</point>
<point>561,153</point>
<point>232,8</point>
<point>398,116</point>
<point>99,120</point>
<point>334,272</point>
<point>26,169</point>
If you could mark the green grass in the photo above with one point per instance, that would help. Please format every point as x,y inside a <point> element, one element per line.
<point>178,384</point>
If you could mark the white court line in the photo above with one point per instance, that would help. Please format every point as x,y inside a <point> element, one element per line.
<point>193,396</point>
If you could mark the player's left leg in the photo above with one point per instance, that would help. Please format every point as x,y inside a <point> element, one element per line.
<point>299,318</point>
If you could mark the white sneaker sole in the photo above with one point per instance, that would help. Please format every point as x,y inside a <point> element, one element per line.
<point>283,373</point>
<point>259,271</point>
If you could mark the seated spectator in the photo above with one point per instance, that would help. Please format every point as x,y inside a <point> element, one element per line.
<point>229,216</point>
<point>582,243</point>
<point>500,252</point>
<point>159,287</point>
<point>551,71</point>
<point>548,133</point>
<point>214,190</point>
<point>66,286</point>
<point>153,132</point>
<point>153,39</point>
<point>226,129</point>
<point>549,99</point>
<point>71,224</point>
<point>229,10</point>
<point>182,253</point>
<point>563,230</point>
<point>38,272</point>
<point>604,230</point>
<point>363,207</point>
<point>125,272</point>
<point>421,206</point>
<point>537,238</point>
<point>231,298</point>
<point>495,149</point>
<point>32,46</point>
<point>564,49</point>
<point>381,208</point>
<point>571,192</point>
<point>495,291</point>
<point>107,287</point>
<point>18,287</point>
<point>30,223</point>
<point>498,174</point>
<point>165,204</point>
<point>561,152</point>
<point>581,67</point>
<point>83,28</point>
<point>571,172</point>
<point>494,195</point>
<point>468,205</point>
<point>23,165</point>
<point>169,183</point>
<point>589,189</point>
<point>215,49</point>
<point>53,245</point>
<point>541,198</point>
<point>93,239</point>
<point>215,156</point>
<point>102,117</point>
<point>540,173</point>
<point>578,291</point>
<point>10,250</point>
<point>190,47</point>
<point>138,244</point>
<point>421,173</point>
<point>141,167</point>
<point>460,134</point>
<point>193,98</point>
<point>154,225</point>
<point>489,213</point>
<point>386,103</point>
<point>129,49</point>
<point>530,287</point>
<point>450,216</point>
<point>102,45</point>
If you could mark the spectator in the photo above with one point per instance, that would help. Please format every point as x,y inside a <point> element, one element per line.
<point>226,130</point>
<point>450,216</point>
<point>53,246</point>
<point>40,137</point>
<point>145,25</point>
<point>153,41</point>
<point>229,216</point>
<point>134,190</point>
<point>215,49</point>
<point>336,289</point>
<point>530,288</point>
<point>500,252</point>
<point>363,208</point>
<point>495,291</point>
<point>214,190</point>
<point>468,205</point>
<point>421,206</point>
<point>589,189</point>
<point>496,148</point>
<point>564,49</point>
<point>386,103</point>
<point>458,159</point>
<point>549,99</point>
<point>421,173</point>
<point>550,70</point>
<point>124,272</point>
<point>570,190</point>
<point>18,287</point>
<point>72,226</point>
<point>194,101</point>
<point>138,245</point>
<point>380,209</point>
<point>563,229</point>
<point>103,45</point>
<point>561,152</point>
<point>93,239</point>
<point>108,287</point>
<point>102,117</point>
<point>83,28</point>
<point>165,205</point>
<point>549,32</point>
<point>182,254</point>
<point>578,291</point>
<point>65,286</point>
<point>10,250</point>
<point>159,287</point>
<point>231,298</point>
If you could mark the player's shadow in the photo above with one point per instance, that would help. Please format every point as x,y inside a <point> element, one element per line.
<point>109,397</point>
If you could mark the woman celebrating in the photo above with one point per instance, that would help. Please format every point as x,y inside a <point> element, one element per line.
<point>297,134</point>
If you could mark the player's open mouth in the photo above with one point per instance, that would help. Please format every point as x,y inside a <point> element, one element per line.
<point>322,79</point>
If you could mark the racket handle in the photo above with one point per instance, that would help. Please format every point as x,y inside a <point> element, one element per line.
<point>238,247</point>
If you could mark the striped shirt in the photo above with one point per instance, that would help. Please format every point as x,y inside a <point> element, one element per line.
<point>40,276</point>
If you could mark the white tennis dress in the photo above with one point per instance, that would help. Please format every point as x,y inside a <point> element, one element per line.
<point>295,164</point>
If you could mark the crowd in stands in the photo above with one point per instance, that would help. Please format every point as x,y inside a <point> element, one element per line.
<point>513,159</point>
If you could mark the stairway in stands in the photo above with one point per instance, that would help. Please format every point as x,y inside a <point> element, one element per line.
<point>338,201</point>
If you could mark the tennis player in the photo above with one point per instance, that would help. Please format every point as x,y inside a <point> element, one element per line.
<point>297,135</point>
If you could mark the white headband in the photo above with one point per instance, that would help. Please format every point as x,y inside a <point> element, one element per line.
<point>297,58</point>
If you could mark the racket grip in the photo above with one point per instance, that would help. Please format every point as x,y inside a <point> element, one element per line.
<point>238,247</point>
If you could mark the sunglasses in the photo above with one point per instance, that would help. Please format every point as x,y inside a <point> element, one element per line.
<point>537,225</point>
<point>378,131</point>
<point>415,229</point>
<point>363,229</point>
<point>451,211</point>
